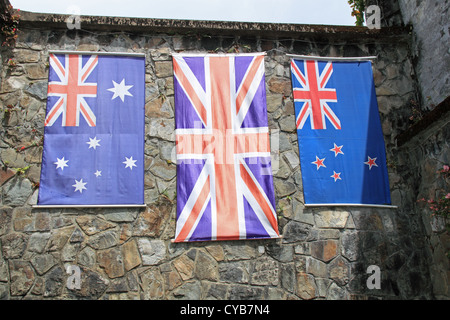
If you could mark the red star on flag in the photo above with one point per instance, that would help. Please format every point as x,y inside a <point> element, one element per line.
<point>319,162</point>
<point>371,162</point>
<point>337,150</point>
<point>336,176</point>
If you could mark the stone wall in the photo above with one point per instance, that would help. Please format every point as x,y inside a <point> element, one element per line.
<point>431,54</point>
<point>125,253</point>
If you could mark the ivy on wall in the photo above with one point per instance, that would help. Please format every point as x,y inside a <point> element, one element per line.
<point>358,7</point>
<point>10,22</point>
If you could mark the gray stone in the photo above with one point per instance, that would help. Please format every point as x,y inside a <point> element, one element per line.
<point>350,245</point>
<point>14,245</point>
<point>206,267</point>
<point>16,192</point>
<point>93,285</point>
<point>188,291</point>
<point>22,277</point>
<point>54,282</point>
<point>104,240</point>
<point>295,231</point>
<point>234,272</point>
<point>287,124</point>
<point>43,262</point>
<point>293,159</point>
<point>283,188</point>
<point>163,170</point>
<point>287,277</point>
<point>162,128</point>
<point>37,89</point>
<point>5,220</point>
<point>152,251</point>
<point>331,219</point>
<point>279,252</point>
<point>215,291</point>
<point>336,293</point>
<point>264,272</point>
<point>152,284</point>
<point>239,251</point>
<point>339,271</point>
<point>240,292</point>
<point>86,257</point>
<point>316,267</point>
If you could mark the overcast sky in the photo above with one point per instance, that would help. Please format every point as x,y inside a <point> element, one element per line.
<point>331,12</point>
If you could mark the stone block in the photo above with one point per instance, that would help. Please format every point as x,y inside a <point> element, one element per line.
<point>163,68</point>
<point>130,253</point>
<point>339,271</point>
<point>206,267</point>
<point>265,272</point>
<point>152,251</point>
<point>324,250</point>
<point>306,286</point>
<point>21,277</point>
<point>16,192</point>
<point>92,225</point>
<point>111,260</point>
<point>184,266</point>
<point>331,219</point>
<point>316,267</point>
<point>14,245</point>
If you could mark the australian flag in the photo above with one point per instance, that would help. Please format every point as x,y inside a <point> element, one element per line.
<point>94,131</point>
<point>342,151</point>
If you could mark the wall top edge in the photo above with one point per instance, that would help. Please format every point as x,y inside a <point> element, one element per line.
<point>130,24</point>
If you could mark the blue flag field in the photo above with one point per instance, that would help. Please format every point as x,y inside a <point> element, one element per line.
<point>341,145</point>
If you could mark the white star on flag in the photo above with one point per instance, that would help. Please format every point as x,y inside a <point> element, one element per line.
<point>98,173</point>
<point>61,163</point>
<point>93,143</point>
<point>129,163</point>
<point>79,185</point>
<point>120,90</point>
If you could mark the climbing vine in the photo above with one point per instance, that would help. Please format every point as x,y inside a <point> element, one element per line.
<point>358,7</point>
<point>9,29</point>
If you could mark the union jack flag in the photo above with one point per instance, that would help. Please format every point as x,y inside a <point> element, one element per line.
<point>313,95</point>
<point>71,88</point>
<point>224,182</point>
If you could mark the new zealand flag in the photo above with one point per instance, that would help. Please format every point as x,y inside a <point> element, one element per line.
<point>342,151</point>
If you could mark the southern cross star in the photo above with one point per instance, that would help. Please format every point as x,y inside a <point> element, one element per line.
<point>79,185</point>
<point>129,163</point>
<point>319,162</point>
<point>120,90</point>
<point>61,163</point>
<point>336,176</point>
<point>93,143</point>
<point>371,162</point>
<point>337,150</point>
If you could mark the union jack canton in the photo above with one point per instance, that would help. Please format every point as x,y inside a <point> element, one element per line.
<point>224,176</point>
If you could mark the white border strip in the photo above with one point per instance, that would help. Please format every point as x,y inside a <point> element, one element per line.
<point>351,205</point>
<point>89,206</point>
<point>99,53</point>
<point>204,54</point>
<point>331,58</point>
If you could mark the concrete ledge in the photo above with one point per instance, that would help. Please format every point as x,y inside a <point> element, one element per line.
<point>170,26</point>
